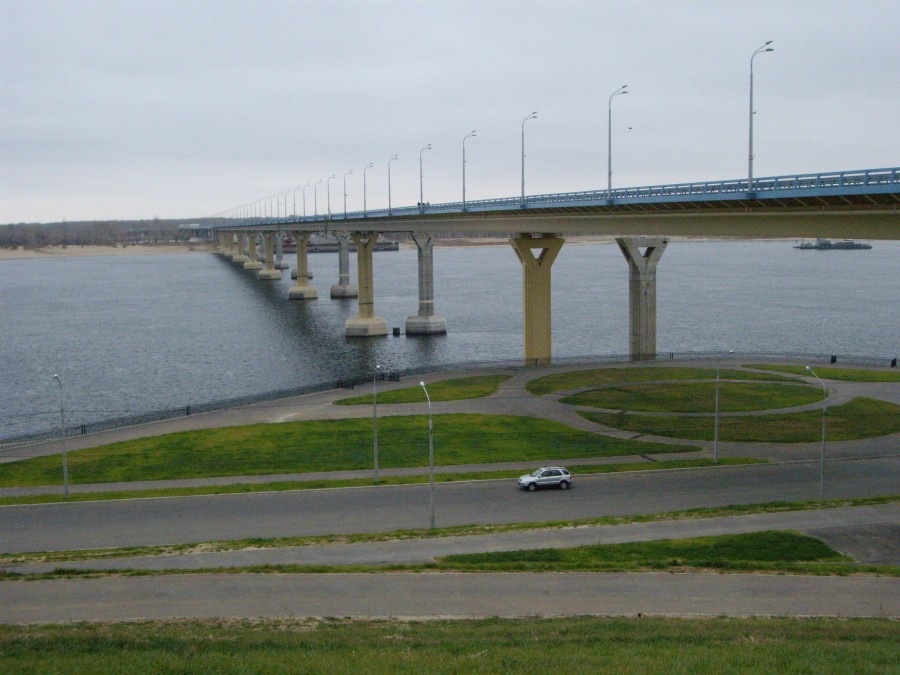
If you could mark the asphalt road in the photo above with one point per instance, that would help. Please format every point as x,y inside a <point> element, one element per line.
<point>312,512</point>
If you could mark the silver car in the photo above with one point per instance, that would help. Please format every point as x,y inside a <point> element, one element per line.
<point>546,476</point>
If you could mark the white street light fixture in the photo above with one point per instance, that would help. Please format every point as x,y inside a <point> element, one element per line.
<point>421,196</point>
<point>532,116</point>
<point>328,193</point>
<point>367,166</point>
<point>430,455</point>
<point>62,431</point>
<point>620,90</point>
<point>375,418</point>
<point>822,452</point>
<point>468,135</point>
<point>764,48</point>
<point>304,199</point>
<point>345,192</point>
<point>390,212</point>
<point>316,198</point>
<point>716,427</point>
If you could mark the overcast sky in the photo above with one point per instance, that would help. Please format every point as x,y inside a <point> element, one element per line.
<point>129,109</point>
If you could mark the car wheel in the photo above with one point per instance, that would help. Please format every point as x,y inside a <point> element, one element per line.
<point>564,485</point>
<point>532,487</point>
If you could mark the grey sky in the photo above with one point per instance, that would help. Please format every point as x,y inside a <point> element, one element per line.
<point>141,108</point>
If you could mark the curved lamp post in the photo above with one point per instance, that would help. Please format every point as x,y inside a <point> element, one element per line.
<point>62,430</point>
<point>764,48</point>
<point>430,455</point>
<point>328,193</point>
<point>468,135</point>
<point>421,196</point>
<point>532,116</point>
<point>345,192</point>
<point>304,199</point>
<point>316,198</point>
<point>375,419</point>
<point>716,428</point>
<point>390,212</point>
<point>822,452</point>
<point>617,92</point>
<point>367,166</point>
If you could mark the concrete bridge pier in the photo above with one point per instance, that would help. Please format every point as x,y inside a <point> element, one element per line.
<point>226,244</point>
<point>253,262</point>
<point>642,292</point>
<point>365,324</point>
<point>343,288</point>
<point>240,245</point>
<point>536,292</point>
<point>425,322</point>
<point>268,272</point>
<point>302,290</point>
<point>279,252</point>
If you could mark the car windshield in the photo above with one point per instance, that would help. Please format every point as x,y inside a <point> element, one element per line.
<point>536,472</point>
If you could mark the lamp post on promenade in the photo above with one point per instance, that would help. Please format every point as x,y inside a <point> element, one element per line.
<point>345,192</point>
<point>468,135</point>
<point>764,48</point>
<point>716,425</point>
<point>62,430</point>
<point>367,166</point>
<point>822,452</point>
<point>430,455</point>
<point>617,92</point>
<point>421,195</point>
<point>316,198</point>
<point>530,117</point>
<point>390,212</point>
<point>375,419</point>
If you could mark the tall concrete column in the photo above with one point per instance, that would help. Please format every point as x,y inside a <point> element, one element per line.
<point>302,290</point>
<point>642,293</point>
<point>253,262</point>
<point>279,253</point>
<point>365,324</point>
<point>536,292</point>
<point>425,322</point>
<point>268,272</point>
<point>343,288</point>
<point>240,245</point>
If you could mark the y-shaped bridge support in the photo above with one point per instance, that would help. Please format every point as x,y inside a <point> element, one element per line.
<point>425,322</point>
<point>343,288</point>
<point>240,245</point>
<point>253,261</point>
<point>279,253</point>
<point>302,290</point>
<point>268,272</point>
<point>642,293</point>
<point>536,292</point>
<point>365,324</point>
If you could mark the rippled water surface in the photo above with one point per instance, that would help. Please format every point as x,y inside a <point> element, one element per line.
<point>141,332</point>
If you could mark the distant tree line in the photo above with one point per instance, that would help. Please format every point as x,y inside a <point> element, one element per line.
<point>93,233</point>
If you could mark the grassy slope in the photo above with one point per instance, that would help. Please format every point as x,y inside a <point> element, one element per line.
<point>859,418</point>
<point>693,397</point>
<point>446,390</point>
<point>577,645</point>
<point>329,445</point>
<point>844,374</point>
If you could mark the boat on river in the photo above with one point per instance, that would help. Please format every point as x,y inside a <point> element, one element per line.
<point>828,245</point>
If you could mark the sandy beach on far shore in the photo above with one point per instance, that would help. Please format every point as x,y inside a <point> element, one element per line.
<point>80,251</point>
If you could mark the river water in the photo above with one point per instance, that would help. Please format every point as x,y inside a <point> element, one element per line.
<point>141,332</point>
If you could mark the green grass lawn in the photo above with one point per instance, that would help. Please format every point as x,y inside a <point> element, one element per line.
<point>844,374</point>
<point>603,376</point>
<point>326,445</point>
<point>859,418</point>
<point>619,645</point>
<point>446,390</point>
<point>757,550</point>
<point>695,397</point>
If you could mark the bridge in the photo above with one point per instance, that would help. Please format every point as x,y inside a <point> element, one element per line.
<point>859,204</point>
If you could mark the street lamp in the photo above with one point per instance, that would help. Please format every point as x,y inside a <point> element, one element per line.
<point>822,453</point>
<point>716,427</point>
<point>620,90</point>
<point>430,455</point>
<point>389,183</point>
<point>304,200</point>
<point>530,117</point>
<point>316,198</point>
<point>328,194</point>
<point>367,166</point>
<point>375,418</point>
<point>421,197</point>
<point>62,429</point>
<point>468,135</point>
<point>764,48</point>
<point>345,192</point>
